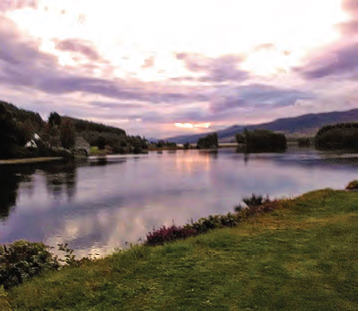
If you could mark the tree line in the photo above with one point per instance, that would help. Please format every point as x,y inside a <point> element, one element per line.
<point>57,135</point>
<point>330,137</point>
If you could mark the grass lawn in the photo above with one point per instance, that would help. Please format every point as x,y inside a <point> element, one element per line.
<point>300,257</point>
<point>95,151</point>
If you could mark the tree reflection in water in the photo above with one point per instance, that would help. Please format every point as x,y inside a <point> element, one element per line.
<point>60,178</point>
<point>10,178</point>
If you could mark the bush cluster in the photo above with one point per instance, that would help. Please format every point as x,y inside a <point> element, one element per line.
<point>205,224</point>
<point>166,234</point>
<point>22,260</point>
<point>353,185</point>
<point>254,205</point>
<point>255,200</point>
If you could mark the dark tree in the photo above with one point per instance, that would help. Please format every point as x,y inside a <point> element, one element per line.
<point>101,142</point>
<point>337,136</point>
<point>208,142</point>
<point>303,142</point>
<point>67,135</point>
<point>240,138</point>
<point>54,119</point>
<point>264,141</point>
<point>8,137</point>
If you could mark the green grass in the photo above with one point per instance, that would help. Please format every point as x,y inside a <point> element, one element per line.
<point>300,257</point>
<point>95,151</point>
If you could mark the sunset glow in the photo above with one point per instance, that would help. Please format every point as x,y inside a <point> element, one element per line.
<point>192,126</point>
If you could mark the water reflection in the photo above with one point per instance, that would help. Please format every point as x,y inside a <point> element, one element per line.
<point>10,178</point>
<point>98,205</point>
<point>60,178</point>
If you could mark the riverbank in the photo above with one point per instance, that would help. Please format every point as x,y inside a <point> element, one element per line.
<point>29,160</point>
<point>300,257</point>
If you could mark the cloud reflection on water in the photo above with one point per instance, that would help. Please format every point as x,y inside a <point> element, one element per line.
<point>96,208</point>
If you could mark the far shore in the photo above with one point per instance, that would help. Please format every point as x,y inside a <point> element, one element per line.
<point>192,146</point>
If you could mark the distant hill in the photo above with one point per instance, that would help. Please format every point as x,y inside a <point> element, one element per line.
<point>307,124</point>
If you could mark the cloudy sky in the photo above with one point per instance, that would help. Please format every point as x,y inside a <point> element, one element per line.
<point>166,67</point>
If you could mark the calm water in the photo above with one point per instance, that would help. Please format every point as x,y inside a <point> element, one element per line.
<point>97,206</point>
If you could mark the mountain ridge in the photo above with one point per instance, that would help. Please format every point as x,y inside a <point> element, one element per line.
<point>302,125</point>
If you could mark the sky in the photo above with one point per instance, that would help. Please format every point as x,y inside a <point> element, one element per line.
<point>160,68</point>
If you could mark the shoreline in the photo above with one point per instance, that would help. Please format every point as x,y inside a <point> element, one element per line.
<point>29,160</point>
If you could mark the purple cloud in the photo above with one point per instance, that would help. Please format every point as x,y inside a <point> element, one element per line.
<point>8,5</point>
<point>219,69</point>
<point>97,104</point>
<point>78,46</point>
<point>340,61</point>
<point>256,95</point>
<point>23,65</point>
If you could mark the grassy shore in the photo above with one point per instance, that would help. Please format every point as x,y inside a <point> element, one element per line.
<point>300,257</point>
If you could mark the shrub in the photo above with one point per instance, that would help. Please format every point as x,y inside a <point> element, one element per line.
<point>166,234</point>
<point>353,185</point>
<point>69,257</point>
<point>202,225</point>
<point>256,204</point>
<point>255,200</point>
<point>229,220</point>
<point>266,207</point>
<point>238,208</point>
<point>22,260</point>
